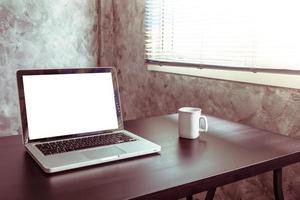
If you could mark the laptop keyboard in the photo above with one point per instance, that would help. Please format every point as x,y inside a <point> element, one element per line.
<point>83,143</point>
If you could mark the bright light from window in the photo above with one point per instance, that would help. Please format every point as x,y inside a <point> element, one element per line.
<point>235,33</point>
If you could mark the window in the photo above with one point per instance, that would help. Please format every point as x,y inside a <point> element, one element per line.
<point>248,36</point>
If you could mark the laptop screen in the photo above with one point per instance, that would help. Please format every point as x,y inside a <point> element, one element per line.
<point>67,104</point>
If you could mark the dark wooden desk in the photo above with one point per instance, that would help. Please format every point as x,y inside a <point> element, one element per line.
<point>227,153</point>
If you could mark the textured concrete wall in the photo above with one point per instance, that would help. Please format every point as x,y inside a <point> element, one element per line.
<point>42,34</point>
<point>152,93</point>
<point>122,46</point>
<point>270,108</point>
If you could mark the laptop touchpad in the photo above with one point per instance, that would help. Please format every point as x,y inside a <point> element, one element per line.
<point>103,152</point>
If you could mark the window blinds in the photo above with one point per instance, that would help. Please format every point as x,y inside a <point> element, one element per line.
<point>233,33</point>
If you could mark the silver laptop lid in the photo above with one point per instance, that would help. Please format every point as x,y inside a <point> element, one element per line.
<point>63,103</point>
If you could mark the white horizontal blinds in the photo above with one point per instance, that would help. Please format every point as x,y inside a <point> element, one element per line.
<point>277,35</point>
<point>234,33</point>
<point>153,28</point>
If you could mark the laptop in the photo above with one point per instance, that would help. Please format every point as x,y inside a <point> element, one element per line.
<point>72,118</point>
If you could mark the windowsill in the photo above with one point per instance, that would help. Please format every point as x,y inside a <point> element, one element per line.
<point>271,79</point>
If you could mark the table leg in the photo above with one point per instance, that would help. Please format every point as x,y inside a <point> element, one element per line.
<point>277,184</point>
<point>210,194</point>
<point>190,197</point>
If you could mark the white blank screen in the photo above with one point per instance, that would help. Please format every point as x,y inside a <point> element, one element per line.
<point>66,104</point>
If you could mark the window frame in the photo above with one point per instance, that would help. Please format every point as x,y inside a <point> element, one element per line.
<point>288,78</point>
<point>266,78</point>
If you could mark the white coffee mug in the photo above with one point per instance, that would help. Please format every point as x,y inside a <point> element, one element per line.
<point>190,122</point>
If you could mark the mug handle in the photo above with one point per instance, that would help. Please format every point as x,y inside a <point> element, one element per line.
<point>206,124</point>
